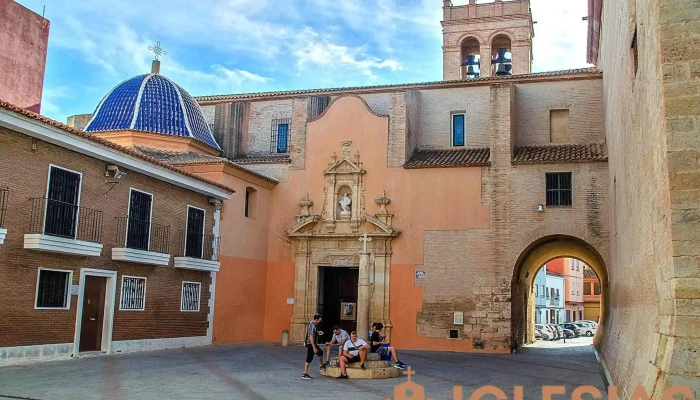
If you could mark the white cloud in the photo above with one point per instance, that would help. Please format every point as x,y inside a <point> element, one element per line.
<point>328,54</point>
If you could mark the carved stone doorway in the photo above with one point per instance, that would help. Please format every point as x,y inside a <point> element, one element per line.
<point>337,297</point>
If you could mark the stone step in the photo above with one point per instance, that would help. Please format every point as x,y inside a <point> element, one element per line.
<point>368,364</point>
<point>370,357</point>
<point>369,373</point>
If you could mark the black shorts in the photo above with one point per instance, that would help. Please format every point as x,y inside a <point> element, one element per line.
<point>310,353</point>
<point>353,359</point>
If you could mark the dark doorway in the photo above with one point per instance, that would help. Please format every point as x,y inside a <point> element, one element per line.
<point>93,313</point>
<point>337,285</point>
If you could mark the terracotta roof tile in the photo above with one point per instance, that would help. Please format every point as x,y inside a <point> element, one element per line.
<point>449,158</point>
<point>458,82</point>
<point>560,153</point>
<point>266,159</point>
<point>589,273</point>
<point>192,158</point>
<point>105,142</point>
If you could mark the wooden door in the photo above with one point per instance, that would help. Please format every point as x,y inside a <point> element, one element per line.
<point>93,313</point>
<point>337,285</point>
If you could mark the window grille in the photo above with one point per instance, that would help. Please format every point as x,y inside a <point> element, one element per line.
<point>133,293</point>
<point>61,207</point>
<point>559,191</point>
<point>194,246</point>
<point>190,296</point>
<point>458,129</point>
<point>53,289</point>
<point>139,226</point>
<point>279,135</point>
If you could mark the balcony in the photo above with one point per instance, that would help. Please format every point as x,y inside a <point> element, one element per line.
<point>66,228</point>
<point>3,210</point>
<point>197,251</point>
<point>141,242</point>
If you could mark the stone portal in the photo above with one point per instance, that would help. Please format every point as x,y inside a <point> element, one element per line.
<point>343,235</point>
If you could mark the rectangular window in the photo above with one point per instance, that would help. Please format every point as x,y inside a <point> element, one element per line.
<point>559,126</point>
<point>458,129</point>
<point>190,296</point>
<point>62,200</point>
<point>587,289</point>
<point>537,291</point>
<point>52,289</point>
<point>138,233</point>
<point>279,135</point>
<point>559,190</point>
<point>194,242</point>
<point>547,292</point>
<point>557,295</point>
<point>596,288</point>
<point>133,295</point>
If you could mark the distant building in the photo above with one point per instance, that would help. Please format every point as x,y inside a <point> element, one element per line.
<point>555,299</point>
<point>24,38</point>
<point>540,300</point>
<point>591,295</point>
<point>79,121</point>
<point>573,288</point>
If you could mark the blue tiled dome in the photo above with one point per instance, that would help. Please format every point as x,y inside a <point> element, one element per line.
<point>152,103</point>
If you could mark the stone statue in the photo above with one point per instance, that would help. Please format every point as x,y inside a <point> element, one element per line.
<point>345,204</point>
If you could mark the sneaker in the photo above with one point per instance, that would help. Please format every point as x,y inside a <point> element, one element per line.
<point>342,376</point>
<point>322,367</point>
<point>306,376</point>
<point>362,367</point>
<point>400,365</point>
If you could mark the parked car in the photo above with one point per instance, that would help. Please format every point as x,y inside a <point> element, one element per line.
<point>559,330</point>
<point>546,331</point>
<point>572,327</point>
<point>538,334</point>
<point>569,334</point>
<point>589,322</point>
<point>586,328</point>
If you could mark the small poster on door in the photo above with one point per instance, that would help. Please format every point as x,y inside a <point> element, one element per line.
<point>347,311</point>
<point>74,290</point>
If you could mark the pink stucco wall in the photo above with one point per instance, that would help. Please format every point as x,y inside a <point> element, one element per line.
<point>24,37</point>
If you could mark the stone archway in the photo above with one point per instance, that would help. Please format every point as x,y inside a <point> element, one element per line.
<point>538,253</point>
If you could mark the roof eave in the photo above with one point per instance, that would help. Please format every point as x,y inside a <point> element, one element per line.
<point>56,136</point>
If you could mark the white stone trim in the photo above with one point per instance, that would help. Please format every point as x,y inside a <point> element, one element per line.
<point>137,105</point>
<point>130,346</point>
<point>55,244</point>
<point>50,134</point>
<point>3,235</point>
<point>197,264</point>
<point>140,256</point>
<point>184,111</point>
<point>43,352</point>
<point>212,299</point>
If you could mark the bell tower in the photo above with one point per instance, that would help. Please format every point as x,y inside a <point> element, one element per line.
<point>486,39</point>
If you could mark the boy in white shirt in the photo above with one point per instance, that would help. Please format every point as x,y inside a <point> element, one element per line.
<point>354,350</point>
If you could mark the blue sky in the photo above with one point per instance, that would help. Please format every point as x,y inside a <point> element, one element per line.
<point>233,46</point>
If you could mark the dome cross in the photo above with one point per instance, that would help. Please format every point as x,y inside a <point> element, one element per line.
<point>157,50</point>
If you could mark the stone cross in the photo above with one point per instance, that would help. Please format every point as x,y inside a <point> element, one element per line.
<point>366,240</point>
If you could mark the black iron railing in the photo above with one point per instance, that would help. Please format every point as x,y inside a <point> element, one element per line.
<point>136,234</point>
<point>57,218</point>
<point>4,193</point>
<point>197,245</point>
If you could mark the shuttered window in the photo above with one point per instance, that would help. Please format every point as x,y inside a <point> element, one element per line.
<point>139,231</point>
<point>279,135</point>
<point>195,233</point>
<point>62,203</point>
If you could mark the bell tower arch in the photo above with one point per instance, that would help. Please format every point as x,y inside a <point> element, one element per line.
<point>493,38</point>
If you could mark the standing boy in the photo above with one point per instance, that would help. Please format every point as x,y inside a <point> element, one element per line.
<point>311,342</point>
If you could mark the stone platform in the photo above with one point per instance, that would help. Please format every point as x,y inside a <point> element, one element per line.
<point>376,369</point>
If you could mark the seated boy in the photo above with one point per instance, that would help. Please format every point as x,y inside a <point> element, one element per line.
<point>354,350</point>
<point>340,336</point>
<point>385,350</point>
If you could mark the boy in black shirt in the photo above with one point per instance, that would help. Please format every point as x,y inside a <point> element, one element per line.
<point>385,350</point>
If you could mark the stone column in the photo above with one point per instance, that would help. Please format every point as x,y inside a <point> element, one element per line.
<point>363,296</point>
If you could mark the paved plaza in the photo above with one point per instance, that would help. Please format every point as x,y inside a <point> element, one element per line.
<point>266,371</point>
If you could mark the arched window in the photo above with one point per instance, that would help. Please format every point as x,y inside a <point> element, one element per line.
<point>470,58</point>
<point>501,56</point>
<point>251,202</point>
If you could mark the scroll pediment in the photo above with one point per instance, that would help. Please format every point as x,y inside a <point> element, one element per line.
<point>344,167</point>
<point>304,226</point>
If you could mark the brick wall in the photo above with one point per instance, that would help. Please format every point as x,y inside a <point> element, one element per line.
<point>25,172</point>
<point>435,121</point>
<point>260,123</point>
<point>652,126</point>
<point>583,99</point>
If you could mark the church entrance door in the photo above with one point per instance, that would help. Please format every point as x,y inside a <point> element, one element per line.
<point>337,299</point>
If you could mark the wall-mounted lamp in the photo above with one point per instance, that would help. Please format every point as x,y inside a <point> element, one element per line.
<point>540,208</point>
